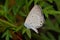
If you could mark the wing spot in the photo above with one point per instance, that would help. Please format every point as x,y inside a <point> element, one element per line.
<point>32,16</point>
<point>41,21</point>
<point>40,24</point>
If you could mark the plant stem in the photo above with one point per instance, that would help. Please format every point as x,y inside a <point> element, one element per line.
<point>3,21</point>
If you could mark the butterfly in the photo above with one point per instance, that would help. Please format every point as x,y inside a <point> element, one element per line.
<point>35,18</point>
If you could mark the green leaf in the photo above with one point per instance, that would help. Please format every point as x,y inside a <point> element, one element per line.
<point>26,37</point>
<point>35,36</point>
<point>7,35</point>
<point>18,6</point>
<point>24,30</point>
<point>51,26</point>
<point>58,4</point>
<point>20,3</point>
<point>15,10</point>
<point>48,10</point>
<point>10,18</point>
<point>30,2</point>
<point>59,37</point>
<point>4,35</point>
<point>45,5</point>
<point>57,18</point>
<point>7,23</point>
<point>2,13</point>
<point>22,14</point>
<point>35,2</point>
<point>26,6</point>
<point>28,33</point>
<point>49,23</point>
<point>51,37</point>
<point>44,37</point>
<point>18,28</point>
<point>53,12</point>
<point>50,1</point>
<point>56,26</point>
<point>46,15</point>
<point>6,3</point>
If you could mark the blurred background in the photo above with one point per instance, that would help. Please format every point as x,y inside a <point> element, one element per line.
<point>14,12</point>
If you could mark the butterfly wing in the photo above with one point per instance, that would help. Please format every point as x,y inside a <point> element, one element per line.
<point>35,19</point>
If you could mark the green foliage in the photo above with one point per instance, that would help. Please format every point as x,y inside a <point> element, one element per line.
<point>28,33</point>
<point>7,35</point>
<point>58,4</point>
<point>12,19</point>
<point>59,37</point>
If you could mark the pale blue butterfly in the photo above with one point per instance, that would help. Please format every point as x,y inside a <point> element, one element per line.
<point>35,19</point>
